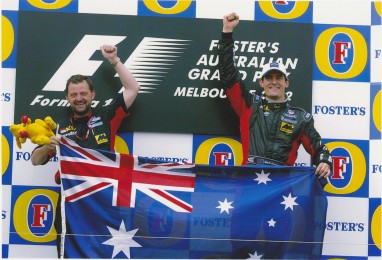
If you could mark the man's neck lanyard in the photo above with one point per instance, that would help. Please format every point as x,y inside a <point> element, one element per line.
<point>87,124</point>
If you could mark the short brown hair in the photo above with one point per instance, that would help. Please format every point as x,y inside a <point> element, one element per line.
<point>78,79</point>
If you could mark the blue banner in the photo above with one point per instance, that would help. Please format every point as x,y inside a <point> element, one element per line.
<point>122,206</point>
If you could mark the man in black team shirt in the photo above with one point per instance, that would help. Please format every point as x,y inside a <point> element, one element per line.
<point>271,130</point>
<point>90,128</point>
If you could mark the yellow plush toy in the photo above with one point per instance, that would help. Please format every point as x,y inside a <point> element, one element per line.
<point>38,132</point>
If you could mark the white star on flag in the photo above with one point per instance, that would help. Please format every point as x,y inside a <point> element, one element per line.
<point>262,177</point>
<point>289,201</point>
<point>272,223</point>
<point>121,240</point>
<point>254,256</point>
<point>225,206</point>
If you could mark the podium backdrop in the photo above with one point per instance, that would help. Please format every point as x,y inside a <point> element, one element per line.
<point>332,50</point>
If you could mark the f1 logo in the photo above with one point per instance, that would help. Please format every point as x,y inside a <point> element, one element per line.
<point>78,62</point>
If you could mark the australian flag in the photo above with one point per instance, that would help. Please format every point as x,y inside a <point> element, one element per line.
<point>122,206</point>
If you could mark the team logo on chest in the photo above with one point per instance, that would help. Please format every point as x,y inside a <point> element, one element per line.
<point>286,127</point>
<point>101,138</point>
<point>69,130</point>
<point>94,122</point>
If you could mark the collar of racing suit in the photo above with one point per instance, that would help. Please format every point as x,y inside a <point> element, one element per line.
<point>274,104</point>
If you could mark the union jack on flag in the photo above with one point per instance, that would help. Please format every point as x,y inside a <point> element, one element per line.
<point>87,171</point>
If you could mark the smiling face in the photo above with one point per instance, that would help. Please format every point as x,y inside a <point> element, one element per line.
<point>274,84</point>
<point>80,98</point>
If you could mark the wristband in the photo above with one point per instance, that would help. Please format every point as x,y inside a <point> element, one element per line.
<point>115,62</point>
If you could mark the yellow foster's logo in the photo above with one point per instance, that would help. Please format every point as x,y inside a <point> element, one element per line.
<point>8,38</point>
<point>377,112</point>
<point>349,168</point>
<point>179,6</point>
<point>284,10</point>
<point>378,7</point>
<point>218,151</point>
<point>342,53</point>
<point>376,227</point>
<point>5,154</point>
<point>49,5</point>
<point>33,215</point>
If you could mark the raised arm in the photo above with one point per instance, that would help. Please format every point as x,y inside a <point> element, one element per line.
<point>127,79</point>
<point>227,69</point>
<point>230,76</point>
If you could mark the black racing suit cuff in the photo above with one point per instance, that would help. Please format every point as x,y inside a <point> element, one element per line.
<point>326,158</point>
<point>227,36</point>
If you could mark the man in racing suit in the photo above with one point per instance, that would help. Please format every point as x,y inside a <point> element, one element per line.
<point>271,130</point>
<point>91,128</point>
